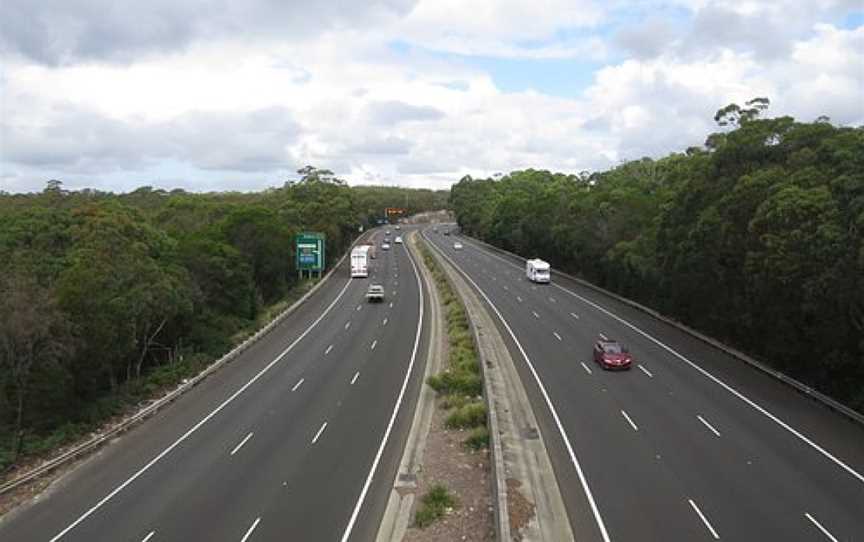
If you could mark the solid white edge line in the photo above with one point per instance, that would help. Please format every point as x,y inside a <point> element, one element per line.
<point>298,384</point>
<point>582,479</point>
<point>704,519</point>
<point>353,380</point>
<point>242,442</point>
<point>626,417</point>
<point>708,425</point>
<point>821,528</point>
<point>711,377</point>
<point>646,371</point>
<point>348,528</point>
<point>251,529</point>
<point>557,336</point>
<point>149,536</point>
<point>587,369</point>
<point>318,434</point>
<point>204,420</point>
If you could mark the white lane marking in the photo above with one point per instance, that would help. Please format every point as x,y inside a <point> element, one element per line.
<point>519,299</point>
<point>318,434</point>
<point>646,371</point>
<point>195,427</point>
<point>148,537</point>
<point>604,337</point>
<point>384,323</point>
<point>704,519</point>
<point>708,425</point>
<point>506,288</point>
<point>347,324</point>
<point>587,369</point>
<point>251,529</point>
<point>574,315</point>
<point>391,304</point>
<point>394,292</point>
<point>535,314</point>
<point>556,335</point>
<point>359,307</point>
<point>329,348</point>
<point>626,417</point>
<point>368,482</point>
<point>552,300</point>
<point>374,344</point>
<point>353,380</point>
<point>242,442</point>
<point>711,377</point>
<point>601,525</point>
<point>298,384</point>
<point>819,526</point>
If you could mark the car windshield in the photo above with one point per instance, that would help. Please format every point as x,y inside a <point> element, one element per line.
<point>612,348</point>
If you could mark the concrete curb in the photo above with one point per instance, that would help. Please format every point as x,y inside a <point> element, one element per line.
<point>502,515</point>
<point>154,407</point>
<point>397,514</point>
<point>802,388</point>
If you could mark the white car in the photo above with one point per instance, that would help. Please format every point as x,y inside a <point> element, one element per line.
<point>457,246</point>
<point>398,240</point>
<point>385,246</point>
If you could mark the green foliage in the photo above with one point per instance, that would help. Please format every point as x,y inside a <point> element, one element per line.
<point>478,439</point>
<point>107,299</point>
<point>433,505</point>
<point>757,239</point>
<point>467,416</point>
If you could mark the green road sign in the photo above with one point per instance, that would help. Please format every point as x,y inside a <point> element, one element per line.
<point>309,249</point>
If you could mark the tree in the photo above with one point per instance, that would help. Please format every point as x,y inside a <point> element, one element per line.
<point>735,115</point>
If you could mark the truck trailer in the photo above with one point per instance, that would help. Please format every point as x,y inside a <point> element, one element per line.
<point>360,262</point>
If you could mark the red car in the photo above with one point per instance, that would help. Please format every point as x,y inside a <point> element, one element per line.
<point>611,355</point>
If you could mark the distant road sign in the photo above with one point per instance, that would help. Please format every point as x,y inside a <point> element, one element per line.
<point>309,250</point>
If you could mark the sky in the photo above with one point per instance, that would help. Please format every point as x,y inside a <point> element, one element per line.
<point>225,95</point>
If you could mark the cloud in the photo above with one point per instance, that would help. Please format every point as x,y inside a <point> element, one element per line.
<point>394,112</point>
<point>55,32</point>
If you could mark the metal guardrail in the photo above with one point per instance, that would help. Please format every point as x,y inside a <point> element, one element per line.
<point>154,407</point>
<point>799,386</point>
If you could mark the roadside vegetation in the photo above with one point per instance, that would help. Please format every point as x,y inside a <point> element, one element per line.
<point>460,385</point>
<point>107,299</point>
<point>434,505</point>
<point>755,238</point>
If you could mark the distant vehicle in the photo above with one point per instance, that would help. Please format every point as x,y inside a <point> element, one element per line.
<point>435,230</point>
<point>609,354</point>
<point>537,270</point>
<point>360,261</point>
<point>387,232</point>
<point>385,246</point>
<point>457,246</point>
<point>446,232</point>
<point>398,240</point>
<point>398,227</point>
<point>374,293</point>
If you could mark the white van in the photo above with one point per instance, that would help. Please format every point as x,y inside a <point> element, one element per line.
<point>537,270</point>
<point>360,261</point>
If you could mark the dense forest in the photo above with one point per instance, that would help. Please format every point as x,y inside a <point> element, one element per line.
<point>107,298</point>
<point>756,238</point>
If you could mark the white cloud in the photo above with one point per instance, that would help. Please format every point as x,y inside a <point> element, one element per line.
<point>221,112</point>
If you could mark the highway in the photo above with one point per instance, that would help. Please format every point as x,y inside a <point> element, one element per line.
<point>689,445</point>
<point>287,442</point>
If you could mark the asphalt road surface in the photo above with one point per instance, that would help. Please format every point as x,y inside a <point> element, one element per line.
<point>278,445</point>
<point>689,445</point>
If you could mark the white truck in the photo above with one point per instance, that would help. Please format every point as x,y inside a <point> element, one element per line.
<point>360,261</point>
<point>537,270</point>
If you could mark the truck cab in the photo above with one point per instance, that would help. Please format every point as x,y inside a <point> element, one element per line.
<point>538,271</point>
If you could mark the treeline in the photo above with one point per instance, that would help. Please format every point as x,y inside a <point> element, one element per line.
<point>105,298</point>
<point>755,238</point>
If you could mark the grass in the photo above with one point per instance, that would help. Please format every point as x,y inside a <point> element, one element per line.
<point>433,505</point>
<point>460,385</point>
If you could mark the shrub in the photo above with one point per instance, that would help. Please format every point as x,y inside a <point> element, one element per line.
<point>478,439</point>
<point>470,415</point>
<point>434,505</point>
